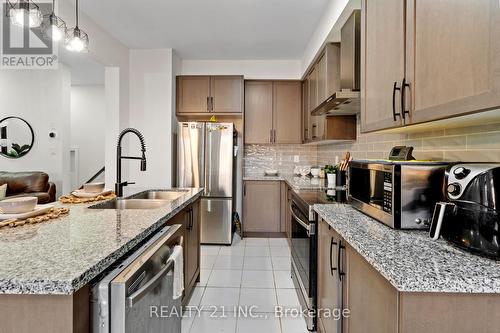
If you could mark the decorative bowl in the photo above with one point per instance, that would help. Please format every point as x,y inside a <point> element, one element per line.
<point>18,205</point>
<point>315,172</point>
<point>93,187</point>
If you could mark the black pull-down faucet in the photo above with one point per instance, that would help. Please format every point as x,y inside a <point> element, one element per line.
<point>119,184</point>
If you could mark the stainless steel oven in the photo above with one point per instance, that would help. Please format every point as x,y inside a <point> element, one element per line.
<point>303,254</point>
<point>137,294</point>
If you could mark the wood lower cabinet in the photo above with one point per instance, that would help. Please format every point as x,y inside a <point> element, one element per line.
<point>273,112</point>
<point>330,283</point>
<point>189,218</point>
<point>371,300</point>
<point>374,305</point>
<point>209,94</point>
<point>261,206</point>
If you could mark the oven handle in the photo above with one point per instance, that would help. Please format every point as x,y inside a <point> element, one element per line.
<point>150,285</point>
<point>332,243</point>
<point>302,223</point>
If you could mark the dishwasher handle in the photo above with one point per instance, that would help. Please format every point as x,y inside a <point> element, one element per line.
<point>150,285</point>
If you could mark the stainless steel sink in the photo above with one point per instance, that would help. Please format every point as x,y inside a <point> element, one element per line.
<point>160,195</point>
<point>131,204</point>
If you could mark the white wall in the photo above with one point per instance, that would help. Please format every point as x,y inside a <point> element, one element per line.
<point>41,97</point>
<point>151,109</point>
<point>251,69</point>
<point>322,31</point>
<point>88,128</point>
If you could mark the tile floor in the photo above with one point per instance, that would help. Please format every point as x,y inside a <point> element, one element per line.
<point>253,275</point>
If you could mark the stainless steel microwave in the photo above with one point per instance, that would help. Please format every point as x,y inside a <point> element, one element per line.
<point>401,195</point>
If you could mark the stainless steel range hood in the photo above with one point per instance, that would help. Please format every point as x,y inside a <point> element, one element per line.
<point>347,100</point>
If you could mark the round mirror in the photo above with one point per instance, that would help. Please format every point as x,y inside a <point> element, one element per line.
<point>16,137</point>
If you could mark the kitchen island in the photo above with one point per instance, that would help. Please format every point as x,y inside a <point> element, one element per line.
<point>401,280</point>
<point>51,264</point>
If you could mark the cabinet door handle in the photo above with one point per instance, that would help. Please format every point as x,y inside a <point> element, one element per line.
<point>394,113</point>
<point>332,243</point>
<point>212,104</point>
<point>245,190</point>
<point>339,261</point>
<point>208,103</point>
<point>404,85</point>
<point>271,136</point>
<point>191,218</point>
<point>274,136</point>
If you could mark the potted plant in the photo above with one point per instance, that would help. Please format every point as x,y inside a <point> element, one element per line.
<point>331,171</point>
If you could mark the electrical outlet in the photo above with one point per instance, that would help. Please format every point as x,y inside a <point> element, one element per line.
<point>296,158</point>
<point>336,160</point>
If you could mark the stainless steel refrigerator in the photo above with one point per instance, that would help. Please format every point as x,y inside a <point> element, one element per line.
<point>205,158</point>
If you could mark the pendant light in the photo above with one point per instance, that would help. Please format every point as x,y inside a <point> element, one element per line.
<point>24,11</point>
<point>53,26</point>
<point>77,40</point>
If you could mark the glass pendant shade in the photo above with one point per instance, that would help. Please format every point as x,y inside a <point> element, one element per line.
<point>77,40</point>
<point>54,27</point>
<point>25,10</point>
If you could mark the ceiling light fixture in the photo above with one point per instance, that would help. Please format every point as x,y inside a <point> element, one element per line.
<point>24,12</point>
<point>77,40</point>
<point>53,26</point>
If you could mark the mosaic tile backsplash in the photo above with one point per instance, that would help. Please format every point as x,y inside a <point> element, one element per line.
<point>279,157</point>
<point>467,144</point>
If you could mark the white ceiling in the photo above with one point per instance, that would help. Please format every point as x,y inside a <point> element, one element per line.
<point>211,29</point>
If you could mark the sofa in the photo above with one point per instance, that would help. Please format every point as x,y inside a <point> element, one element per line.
<point>29,184</point>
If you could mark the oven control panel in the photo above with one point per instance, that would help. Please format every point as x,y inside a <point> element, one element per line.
<point>387,205</point>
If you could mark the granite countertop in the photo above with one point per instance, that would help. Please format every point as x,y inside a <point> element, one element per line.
<point>297,183</point>
<point>410,260</point>
<point>62,255</point>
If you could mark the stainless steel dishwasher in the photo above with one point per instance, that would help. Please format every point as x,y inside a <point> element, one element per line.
<point>137,295</point>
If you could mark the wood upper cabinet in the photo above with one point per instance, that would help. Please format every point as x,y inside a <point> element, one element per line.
<point>427,60</point>
<point>227,93</point>
<point>322,77</point>
<point>383,53</point>
<point>287,120</point>
<point>306,115</point>
<point>193,94</point>
<point>453,58</point>
<point>258,112</point>
<point>209,94</point>
<point>273,112</point>
<point>313,88</point>
<point>261,206</point>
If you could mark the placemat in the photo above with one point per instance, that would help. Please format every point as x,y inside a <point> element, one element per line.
<point>71,199</point>
<point>54,213</point>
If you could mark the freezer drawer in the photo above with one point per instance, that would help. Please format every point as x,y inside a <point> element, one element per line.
<point>216,221</point>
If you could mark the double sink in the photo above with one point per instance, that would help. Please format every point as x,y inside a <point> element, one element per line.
<point>143,200</point>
